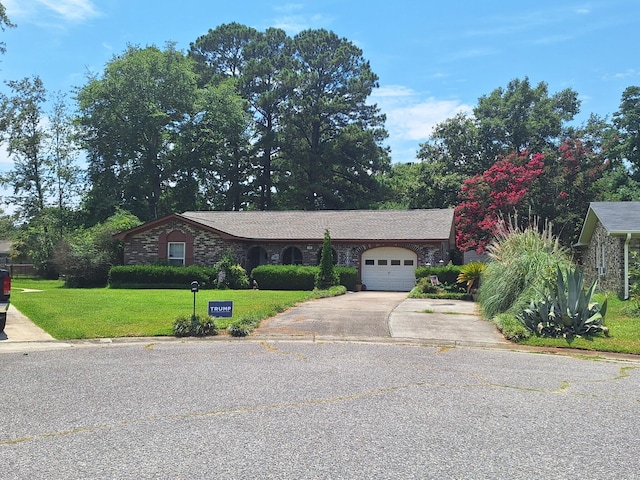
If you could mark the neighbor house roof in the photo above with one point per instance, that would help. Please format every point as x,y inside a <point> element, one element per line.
<point>343,225</point>
<point>618,218</point>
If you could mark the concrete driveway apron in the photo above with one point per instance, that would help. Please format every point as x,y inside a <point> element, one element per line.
<point>454,322</point>
<point>384,315</point>
<point>362,314</point>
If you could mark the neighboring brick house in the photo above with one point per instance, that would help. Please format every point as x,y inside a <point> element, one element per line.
<point>611,231</point>
<point>384,245</point>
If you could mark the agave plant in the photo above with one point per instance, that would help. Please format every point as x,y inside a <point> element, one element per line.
<point>470,274</point>
<point>566,310</point>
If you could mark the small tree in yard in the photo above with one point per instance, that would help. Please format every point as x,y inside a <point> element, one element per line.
<point>86,255</point>
<point>326,277</point>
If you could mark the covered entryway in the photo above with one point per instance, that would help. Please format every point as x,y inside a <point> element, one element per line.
<point>389,268</point>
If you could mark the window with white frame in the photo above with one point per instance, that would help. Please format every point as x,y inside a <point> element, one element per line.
<point>175,254</point>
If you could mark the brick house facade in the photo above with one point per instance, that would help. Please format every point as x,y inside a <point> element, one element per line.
<point>257,238</point>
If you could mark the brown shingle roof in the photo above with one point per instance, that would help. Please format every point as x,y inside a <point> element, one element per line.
<point>343,225</point>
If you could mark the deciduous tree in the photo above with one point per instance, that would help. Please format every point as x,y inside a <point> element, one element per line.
<point>500,191</point>
<point>5,23</point>
<point>522,118</point>
<point>132,115</point>
<point>627,120</point>
<point>22,124</point>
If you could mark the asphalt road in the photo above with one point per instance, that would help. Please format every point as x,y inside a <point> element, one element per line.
<point>241,408</point>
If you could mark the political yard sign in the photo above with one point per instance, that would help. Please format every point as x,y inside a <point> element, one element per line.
<point>221,308</point>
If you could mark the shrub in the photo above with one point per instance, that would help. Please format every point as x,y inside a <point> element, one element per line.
<point>284,277</point>
<point>566,309</point>
<point>330,292</point>
<point>447,274</point>
<point>424,285</point>
<point>85,256</point>
<point>470,274</point>
<point>161,276</point>
<point>194,325</point>
<point>298,277</point>
<point>522,262</point>
<point>235,276</point>
<point>243,326</point>
<point>511,327</point>
<point>348,277</point>
<point>425,289</point>
<point>237,330</point>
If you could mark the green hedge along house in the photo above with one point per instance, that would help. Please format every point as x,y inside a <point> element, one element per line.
<point>385,246</point>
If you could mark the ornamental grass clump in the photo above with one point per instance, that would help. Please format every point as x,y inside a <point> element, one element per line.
<point>522,262</point>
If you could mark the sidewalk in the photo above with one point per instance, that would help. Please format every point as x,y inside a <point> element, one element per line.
<point>21,332</point>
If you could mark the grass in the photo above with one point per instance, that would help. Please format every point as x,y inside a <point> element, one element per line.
<point>68,313</point>
<point>624,330</point>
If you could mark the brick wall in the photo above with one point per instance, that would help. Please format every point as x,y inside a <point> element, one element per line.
<point>209,247</point>
<point>612,249</point>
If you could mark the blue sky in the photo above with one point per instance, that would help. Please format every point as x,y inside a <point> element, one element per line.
<point>434,59</point>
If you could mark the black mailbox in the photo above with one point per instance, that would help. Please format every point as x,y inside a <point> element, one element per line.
<point>195,286</point>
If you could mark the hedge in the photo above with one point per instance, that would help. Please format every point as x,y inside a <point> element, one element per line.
<point>161,276</point>
<point>447,274</point>
<point>269,277</point>
<point>298,277</point>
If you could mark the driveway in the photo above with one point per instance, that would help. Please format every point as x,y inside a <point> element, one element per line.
<point>384,315</point>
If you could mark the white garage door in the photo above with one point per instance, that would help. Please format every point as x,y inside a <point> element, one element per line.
<point>389,268</point>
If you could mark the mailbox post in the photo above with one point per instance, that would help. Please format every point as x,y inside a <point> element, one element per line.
<point>195,286</point>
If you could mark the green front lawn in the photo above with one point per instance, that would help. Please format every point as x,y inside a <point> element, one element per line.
<point>624,331</point>
<point>69,313</point>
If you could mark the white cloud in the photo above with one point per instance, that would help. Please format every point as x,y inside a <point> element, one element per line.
<point>68,10</point>
<point>411,117</point>
<point>293,19</point>
<point>72,10</point>
<point>289,7</point>
<point>15,9</point>
<point>294,24</point>
<point>393,91</point>
<point>628,73</point>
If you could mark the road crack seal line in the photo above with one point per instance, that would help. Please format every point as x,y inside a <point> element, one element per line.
<point>562,389</point>
<point>230,411</point>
